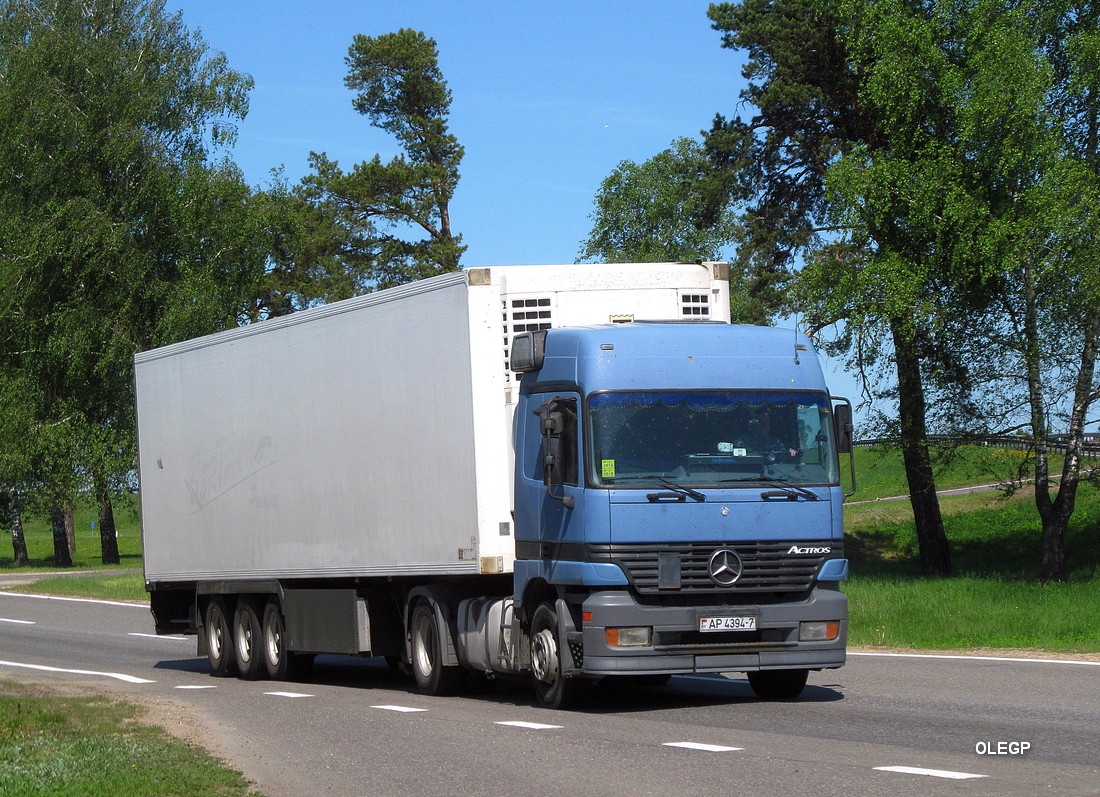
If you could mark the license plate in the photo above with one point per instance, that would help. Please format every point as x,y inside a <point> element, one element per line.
<point>727,624</point>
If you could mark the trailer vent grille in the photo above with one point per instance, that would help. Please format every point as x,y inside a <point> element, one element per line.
<point>768,567</point>
<point>524,314</point>
<point>695,305</point>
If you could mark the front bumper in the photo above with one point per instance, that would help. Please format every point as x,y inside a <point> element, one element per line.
<point>678,647</point>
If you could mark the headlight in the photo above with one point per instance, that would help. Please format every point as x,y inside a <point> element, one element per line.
<point>819,631</point>
<point>630,637</point>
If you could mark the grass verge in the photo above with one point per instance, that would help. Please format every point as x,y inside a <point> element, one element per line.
<point>994,600</point>
<point>106,585</point>
<point>52,744</point>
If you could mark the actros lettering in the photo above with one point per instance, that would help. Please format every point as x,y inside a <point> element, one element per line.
<point>804,551</point>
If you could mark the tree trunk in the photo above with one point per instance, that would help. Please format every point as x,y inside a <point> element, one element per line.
<point>9,509</point>
<point>107,539</point>
<point>1052,562</point>
<point>61,555</point>
<point>935,554</point>
<point>70,528</point>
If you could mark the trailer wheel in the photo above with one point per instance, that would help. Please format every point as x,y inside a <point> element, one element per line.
<point>426,653</point>
<point>778,684</point>
<point>247,639</point>
<point>276,658</point>
<point>554,690</point>
<point>219,649</point>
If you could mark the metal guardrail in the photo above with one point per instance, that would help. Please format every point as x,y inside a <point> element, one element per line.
<point>1016,442</point>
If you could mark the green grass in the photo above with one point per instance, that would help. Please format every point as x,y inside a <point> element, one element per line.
<point>89,550</point>
<point>105,584</point>
<point>973,612</point>
<point>98,747</point>
<point>994,600</point>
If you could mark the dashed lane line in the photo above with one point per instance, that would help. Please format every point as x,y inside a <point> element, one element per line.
<point>709,748</point>
<point>16,622</point>
<point>287,694</point>
<point>400,709</point>
<point>171,638</point>
<point>934,773</point>
<point>532,726</point>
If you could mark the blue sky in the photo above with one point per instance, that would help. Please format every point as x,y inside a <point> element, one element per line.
<point>548,99</point>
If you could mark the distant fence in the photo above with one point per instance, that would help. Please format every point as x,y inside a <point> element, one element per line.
<point>1017,442</point>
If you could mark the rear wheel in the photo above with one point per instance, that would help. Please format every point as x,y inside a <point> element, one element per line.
<point>426,653</point>
<point>778,684</point>
<point>554,690</point>
<point>276,658</point>
<point>247,639</point>
<point>219,647</point>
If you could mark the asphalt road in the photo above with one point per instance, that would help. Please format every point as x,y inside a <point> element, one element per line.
<point>882,725</point>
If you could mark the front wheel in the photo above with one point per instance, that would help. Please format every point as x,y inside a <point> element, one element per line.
<point>778,684</point>
<point>554,690</point>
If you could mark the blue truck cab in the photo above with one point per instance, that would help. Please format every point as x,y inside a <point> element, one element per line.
<point>678,506</point>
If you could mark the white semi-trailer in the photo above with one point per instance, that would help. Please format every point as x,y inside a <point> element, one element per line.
<point>360,479</point>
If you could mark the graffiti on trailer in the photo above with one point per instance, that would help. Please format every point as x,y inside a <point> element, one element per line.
<point>221,469</point>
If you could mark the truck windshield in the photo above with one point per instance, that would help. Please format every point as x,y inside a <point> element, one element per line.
<point>711,438</point>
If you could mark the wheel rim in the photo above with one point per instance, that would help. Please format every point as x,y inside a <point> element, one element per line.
<point>274,643</point>
<point>244,638</point>
<point>544,656</point>
<point>215,636</point>
<point>423,644</point>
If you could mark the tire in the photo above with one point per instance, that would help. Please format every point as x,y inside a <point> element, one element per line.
<point>778,684</point>
<point>426,654</point>
<point>219,635</point>
<point>248,640</point>
<point>276,657</point>
<point>280,663</point>
<point>554,690</point>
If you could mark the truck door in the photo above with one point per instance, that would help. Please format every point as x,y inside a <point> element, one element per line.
<point>553,474</point>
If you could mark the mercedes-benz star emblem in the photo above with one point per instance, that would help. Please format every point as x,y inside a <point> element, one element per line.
<point>724,567</point>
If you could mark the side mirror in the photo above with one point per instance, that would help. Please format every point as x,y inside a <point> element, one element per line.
<point>843,429</point>
<point>528,351</point>
<point>552,471</point>
<point>552,425</point>
<point>844,432</point>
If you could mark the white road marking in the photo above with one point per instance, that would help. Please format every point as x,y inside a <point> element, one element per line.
<point>534,726</point>
<point>965,657</point>
<point>198,686</point>
<point>173,638</point>
<point>402,709</point>
<point>710,748</point>
<point>17,622</point>
<point>287,694</point>
<point>935,773</point>
<point>132,605</point>
<point>130,679</point>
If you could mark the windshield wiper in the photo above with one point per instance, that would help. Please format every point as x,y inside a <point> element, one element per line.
<point>678,488</point>
<point>782,484</point>
<point>785,485</point>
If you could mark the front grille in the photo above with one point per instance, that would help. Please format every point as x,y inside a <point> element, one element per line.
<point>768,567</point>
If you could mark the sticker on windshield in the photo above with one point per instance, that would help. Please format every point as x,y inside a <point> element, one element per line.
<point>607,469</point>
